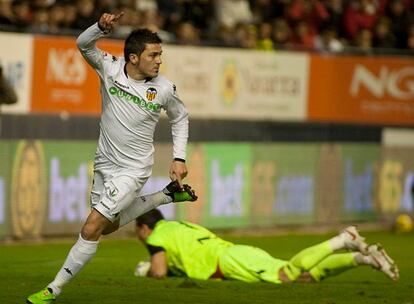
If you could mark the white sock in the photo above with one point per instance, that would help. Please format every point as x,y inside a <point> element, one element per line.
<point>337,242</point>
<point>80,254</point>
<point>143,204</point>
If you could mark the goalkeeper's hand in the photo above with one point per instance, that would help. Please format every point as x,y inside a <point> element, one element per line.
<point>142,269</point>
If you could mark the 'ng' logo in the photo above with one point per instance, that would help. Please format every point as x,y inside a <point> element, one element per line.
<point>397,83</point>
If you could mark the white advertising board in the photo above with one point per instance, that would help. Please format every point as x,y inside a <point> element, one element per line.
<point>239,84</point>
<point>16,59</point>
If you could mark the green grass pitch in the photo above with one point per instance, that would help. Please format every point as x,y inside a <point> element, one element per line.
<point>109,279</point>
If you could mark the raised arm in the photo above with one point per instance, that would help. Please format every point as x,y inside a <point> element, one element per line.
<point>86,41</point>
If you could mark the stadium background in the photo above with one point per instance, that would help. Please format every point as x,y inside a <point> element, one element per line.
<point>277,138</point>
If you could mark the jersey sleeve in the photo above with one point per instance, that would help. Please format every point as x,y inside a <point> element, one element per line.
<point>154,249</point>
<point>86,43</point>
<point>178,116</point>
<point>157,239</point>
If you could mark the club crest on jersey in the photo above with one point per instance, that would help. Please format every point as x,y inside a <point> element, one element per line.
<point>151,94</point>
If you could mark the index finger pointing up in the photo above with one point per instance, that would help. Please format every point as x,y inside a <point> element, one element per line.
<point>118,16</point>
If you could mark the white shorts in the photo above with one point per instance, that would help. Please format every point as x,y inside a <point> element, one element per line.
<point>114,189</point>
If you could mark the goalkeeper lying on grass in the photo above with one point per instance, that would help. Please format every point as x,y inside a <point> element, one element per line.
<point>186,249</point>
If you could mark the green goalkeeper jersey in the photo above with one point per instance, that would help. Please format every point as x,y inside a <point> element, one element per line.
<point>191,249</point>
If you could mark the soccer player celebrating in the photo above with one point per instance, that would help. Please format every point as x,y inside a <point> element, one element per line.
<point>133,94</point>
<point>186,249</point>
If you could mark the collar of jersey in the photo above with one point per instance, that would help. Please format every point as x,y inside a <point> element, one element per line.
<point>145,80</point>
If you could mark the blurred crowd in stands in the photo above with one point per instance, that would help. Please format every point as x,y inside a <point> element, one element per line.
<point>363,26</point>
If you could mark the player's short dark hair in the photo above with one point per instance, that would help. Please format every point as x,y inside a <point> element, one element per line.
<point>149,218</point>
<point>136,41</point>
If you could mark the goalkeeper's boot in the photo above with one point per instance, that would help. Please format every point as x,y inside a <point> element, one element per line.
<point>383,262</point>
<point>353,241</point>
<point>45,296</point>
<point>177,194</point>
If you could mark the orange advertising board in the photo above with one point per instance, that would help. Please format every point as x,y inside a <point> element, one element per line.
<point>377,90</point>
<point>62,80</point>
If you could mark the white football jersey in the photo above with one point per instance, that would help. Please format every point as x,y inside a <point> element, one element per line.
<point>131,109</point>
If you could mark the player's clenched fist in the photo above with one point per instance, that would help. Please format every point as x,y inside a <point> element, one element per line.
<point>108,21</point>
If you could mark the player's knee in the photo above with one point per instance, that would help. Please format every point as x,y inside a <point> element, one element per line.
<point>283,277</point>
<point>306,277</point>
<point>91,232</point>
